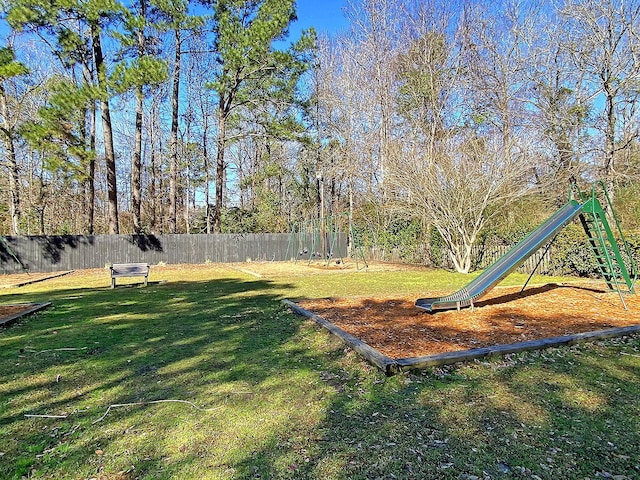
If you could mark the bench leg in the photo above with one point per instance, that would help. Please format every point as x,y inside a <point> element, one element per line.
<point>146,279</point>
<point>113,282</point>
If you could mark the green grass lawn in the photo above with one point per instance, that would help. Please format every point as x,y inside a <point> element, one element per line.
<point>273,396</point>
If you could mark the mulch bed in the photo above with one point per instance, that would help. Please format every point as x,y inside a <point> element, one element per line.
<point>10,313</point>
<point>397,329</point>
<point>10,310</point>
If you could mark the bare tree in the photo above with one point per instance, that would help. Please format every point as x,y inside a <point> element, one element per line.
<point>605,47</point>
<point>9,118</point>
<point>469,183</point>
<point>157,183</point>
<point>560,109</point>
<point>429,77</point>
<point>197,70</point>
<point>496,39</point>
<point>348,122</point>
<point>375,28</point>
<point>463,158</point>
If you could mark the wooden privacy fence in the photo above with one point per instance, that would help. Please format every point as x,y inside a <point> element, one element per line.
<point>483,256</point>
<point>488,254</point>
<point>73,252</point>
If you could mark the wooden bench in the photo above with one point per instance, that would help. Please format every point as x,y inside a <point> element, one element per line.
<point>129,270</point>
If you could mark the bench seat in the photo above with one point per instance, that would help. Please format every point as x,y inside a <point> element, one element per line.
<point>129,270</point>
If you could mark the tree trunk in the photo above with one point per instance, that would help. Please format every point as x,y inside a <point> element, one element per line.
<point>173,141</point>
<point>14,187</point>
<point>187,165</point>
<point>217,212</point>
<point>109,153</point>
<point>350,252</point>
<point>187,225</point>
<point>136,161</point>
<point>136,165</point>
<point>14,179</point>
<point>91,180</point>
<point>90,142</point>
<point>41,200</point>
<point>155,168</point>
<point>205,157</point>
<point>152,182</point>
<point>610,138</point>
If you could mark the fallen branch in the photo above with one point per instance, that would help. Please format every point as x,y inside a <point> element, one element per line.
<point>117,405</point>
<point>630,354</point>
<point>29,415</point>
<point>64,349</point>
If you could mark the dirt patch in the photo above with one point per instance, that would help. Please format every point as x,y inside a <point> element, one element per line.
<point>397,329</point>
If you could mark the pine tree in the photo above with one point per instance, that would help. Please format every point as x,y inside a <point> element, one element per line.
<point>177,20</point>
<point>141,68</point>
<point>250,67</point>
<point>56,18</point>
<point>57,134</point>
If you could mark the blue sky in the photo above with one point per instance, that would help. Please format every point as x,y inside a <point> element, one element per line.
<point>324,15</point>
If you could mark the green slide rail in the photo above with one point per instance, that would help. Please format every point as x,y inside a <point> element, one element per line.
<point>612,260</point>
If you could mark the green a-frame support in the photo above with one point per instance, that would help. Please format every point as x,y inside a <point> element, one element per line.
<point>612,261</point>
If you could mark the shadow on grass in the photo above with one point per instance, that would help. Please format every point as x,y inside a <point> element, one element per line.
<point>215,343</point>
<point>557,414</point>
<point>286,400</point>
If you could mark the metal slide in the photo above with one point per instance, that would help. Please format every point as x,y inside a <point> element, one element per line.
<point>506,264</point>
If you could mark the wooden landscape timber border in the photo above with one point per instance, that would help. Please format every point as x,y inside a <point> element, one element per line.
<point>38,279</point>
<point>36,307</point>
<point>390,366</point>
<point>373,356</point>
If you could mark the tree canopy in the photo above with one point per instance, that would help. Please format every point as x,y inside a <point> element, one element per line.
<point>171,116</point>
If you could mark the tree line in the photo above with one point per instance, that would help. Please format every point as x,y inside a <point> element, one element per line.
<point>471,116</point>
<point>188,84</point>
<point>445,118</point>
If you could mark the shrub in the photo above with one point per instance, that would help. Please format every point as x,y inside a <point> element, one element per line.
<point>399,239</point>
<point>571,254</point>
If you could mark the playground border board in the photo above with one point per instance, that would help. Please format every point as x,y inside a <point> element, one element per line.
<point>393,366</point>
<point>35,307</point>
<point>36,279</point>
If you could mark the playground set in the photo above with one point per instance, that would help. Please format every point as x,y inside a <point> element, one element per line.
<point>612,254</point>
<point>325,240</point>
<point>510,320</point>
